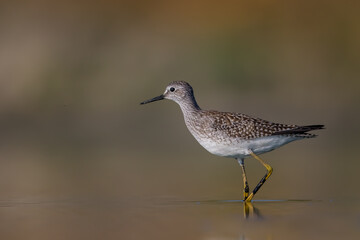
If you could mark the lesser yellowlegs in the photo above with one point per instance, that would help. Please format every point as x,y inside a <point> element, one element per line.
<point>233,135</point>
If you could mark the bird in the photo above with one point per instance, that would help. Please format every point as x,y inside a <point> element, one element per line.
<point>233,135</point>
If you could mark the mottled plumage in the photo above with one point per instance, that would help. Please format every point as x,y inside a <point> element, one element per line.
<point>238,125</point>
<point>234,135</point>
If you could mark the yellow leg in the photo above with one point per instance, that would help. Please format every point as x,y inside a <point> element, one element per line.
<point>263,180</point>
<point>246,185</point>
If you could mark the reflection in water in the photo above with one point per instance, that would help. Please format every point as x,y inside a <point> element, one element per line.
<point>250,211</point>
<point>138,218</point>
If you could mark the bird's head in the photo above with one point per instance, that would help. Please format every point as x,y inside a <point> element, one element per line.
<point>178,91</point>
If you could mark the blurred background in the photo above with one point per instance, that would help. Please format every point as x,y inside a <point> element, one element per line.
<point>72,75</point>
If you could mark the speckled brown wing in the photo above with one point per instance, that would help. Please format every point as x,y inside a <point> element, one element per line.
<point>237,125</point>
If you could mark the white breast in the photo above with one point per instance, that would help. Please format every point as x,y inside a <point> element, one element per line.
<point>240,148</point>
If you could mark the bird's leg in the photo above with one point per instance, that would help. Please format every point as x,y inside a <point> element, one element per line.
<point>262,181</point>
<point>246,185</point>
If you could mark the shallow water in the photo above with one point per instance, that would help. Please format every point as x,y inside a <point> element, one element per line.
<point>111,193</point>
<point>171,218</point>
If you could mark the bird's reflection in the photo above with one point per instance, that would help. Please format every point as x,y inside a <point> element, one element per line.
<point>250,211</point>
<point>248,208</point>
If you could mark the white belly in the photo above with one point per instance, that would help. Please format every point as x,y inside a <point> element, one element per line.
<point>240,148</point>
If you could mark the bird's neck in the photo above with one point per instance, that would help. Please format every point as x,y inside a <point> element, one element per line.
<point>189,106</point>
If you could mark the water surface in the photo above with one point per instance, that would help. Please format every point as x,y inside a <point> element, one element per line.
<point>171,218</point>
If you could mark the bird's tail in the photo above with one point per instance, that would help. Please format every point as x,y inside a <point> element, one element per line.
<point>300,130</point>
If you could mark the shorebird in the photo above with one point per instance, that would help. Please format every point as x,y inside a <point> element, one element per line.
<point>233,135</point>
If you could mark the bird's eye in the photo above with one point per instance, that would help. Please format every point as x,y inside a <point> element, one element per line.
<point>172,89</point>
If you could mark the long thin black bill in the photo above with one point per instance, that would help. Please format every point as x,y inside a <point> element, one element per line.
<point>161,97</point>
